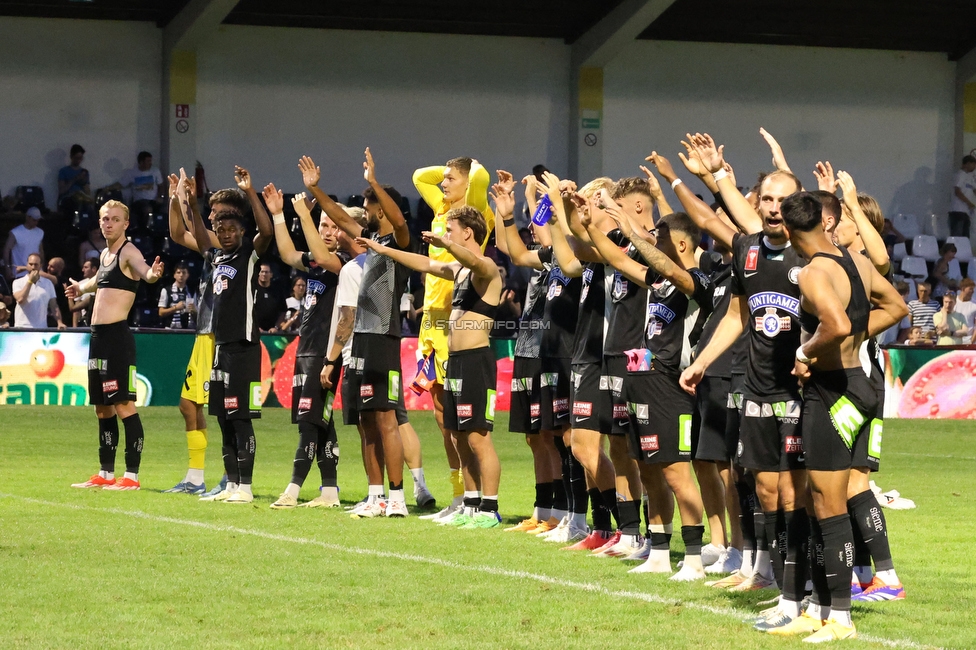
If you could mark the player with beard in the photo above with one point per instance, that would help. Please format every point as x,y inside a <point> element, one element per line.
<point>765,303</point>
<point>659,433</point>
<point>376,340</point>
<point>837,291</point>
<point>311,403</point>
<point>469,406</point>
<point>461,181</point>
<point>235,380</point>
<point>112,350</point>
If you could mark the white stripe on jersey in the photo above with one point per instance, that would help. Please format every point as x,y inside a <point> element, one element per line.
<point>251,294</point>
<point>691,319</point>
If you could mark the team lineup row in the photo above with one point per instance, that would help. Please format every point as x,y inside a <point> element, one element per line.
<point>659,362</point>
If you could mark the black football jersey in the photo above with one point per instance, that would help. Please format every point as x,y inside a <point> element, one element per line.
<point>316,315</point>
<point>628,302</point>
<point>384,282</point>
<point>675,320</point>
<point>529,338</point>
<point>562,305</point>
<point>591,321</point>
<point>234,279</point>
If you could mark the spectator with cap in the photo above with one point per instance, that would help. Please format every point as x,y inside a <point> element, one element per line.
<point>35,298</point>
<point>73,179</point>
<point>22,242</point>
<point>963,198</point>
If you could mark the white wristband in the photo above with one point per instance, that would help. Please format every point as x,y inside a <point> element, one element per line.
<point>801,357</point>
<point>676,182</point>
<point>719,175</point>
<point>279,218</point>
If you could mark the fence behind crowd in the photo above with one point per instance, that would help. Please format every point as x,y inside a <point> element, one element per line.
<point>48,367</point>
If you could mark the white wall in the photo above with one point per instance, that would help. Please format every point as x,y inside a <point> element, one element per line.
<point>95,83</point>
<point>268,95</point>
<point>882,116</point>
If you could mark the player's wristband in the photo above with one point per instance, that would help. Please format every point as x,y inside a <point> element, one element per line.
<point>676,182</point>
<point>719,175</point>
<point>508,222</point>
<point>279,218</point>
<point>801,357</point>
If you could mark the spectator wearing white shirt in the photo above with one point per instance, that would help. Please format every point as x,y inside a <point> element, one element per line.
<point>963,198</point>
<point>143,182</point>
<point>35,298</point>
<point>22,242</point>
<point>966,307</point>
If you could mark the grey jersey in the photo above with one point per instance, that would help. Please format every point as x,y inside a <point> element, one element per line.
<point>530,331</point>
<point>379,295</point>
<point>205,298</point>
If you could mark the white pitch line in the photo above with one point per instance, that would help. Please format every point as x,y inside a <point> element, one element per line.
<point>728,612</point>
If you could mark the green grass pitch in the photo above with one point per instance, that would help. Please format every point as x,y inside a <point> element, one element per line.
<point>93,569</point>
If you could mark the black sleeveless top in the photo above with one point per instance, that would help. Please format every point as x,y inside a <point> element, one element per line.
<point>466,298</point>
<point>110,276</point>
<point>858,307</point>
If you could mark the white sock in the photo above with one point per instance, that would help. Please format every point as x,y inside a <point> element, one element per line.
<point>763,566</point>
<point>374,492</point>
<point>457,502</point>
<point>578,520</point>
<point>397,495</point>
<point>194,476</point>
<point>418,479</point>
<point>844,618</point>
<point>558,514</point>
<point>293,490</point>
<point>330,493</point>
<point>231,487</point>
<point>245,488</point>
<point>748,558</point>
<point>789,607</point>
<point>131,476</point>
<point>815,611</point>
<point>107,475</point>
<point>889,577</point>
<point>542,514</point>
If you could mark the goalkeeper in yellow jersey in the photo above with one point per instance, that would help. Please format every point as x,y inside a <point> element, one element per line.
<point>461,182</point>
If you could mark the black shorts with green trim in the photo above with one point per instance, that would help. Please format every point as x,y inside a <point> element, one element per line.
<point>660,414</point>
<point>839,419</point>
<point>469,394</point>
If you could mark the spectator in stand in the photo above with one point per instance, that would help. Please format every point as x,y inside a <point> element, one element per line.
<point>950,326</point>
<point>35,298</point>
<point>269,306</point>
<point>915,337</point>
<point>143,182</point>
<point>963,198</point>
<point>293,306</point>
<point>6,295</point>
<point>73,180</point>
<point>177,303</point>
<point>890,234</point>
<point>81,306</point>
<point>57,276</point>
<point>22,242</point>
<point>899,333</point>
<point>4,316</point>
<point>940,272</point>
<point>92,247</point>
<point>922,310</point>
<point>966,307</point>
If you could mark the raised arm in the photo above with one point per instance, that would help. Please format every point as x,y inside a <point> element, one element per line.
<point>261,220</point>
<point>392,211</point>
<point>275,201</point>
<point>412,261</point>
<point>505,205</point>
<point>504,187</point>
<point>311,175</point>
<point>427,180</point>
<point>479,264</point>
<point>874,245</point>
<point>663,207</point>
<point>182,206</point>
<point>635,271</point>
<point>779,160</point>
<point>20,295</point>
<point>739,208</point>
<point>703,216</point>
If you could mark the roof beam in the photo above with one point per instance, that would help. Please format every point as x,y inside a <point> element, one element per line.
<point>602,42</point>
<point>197,20</point>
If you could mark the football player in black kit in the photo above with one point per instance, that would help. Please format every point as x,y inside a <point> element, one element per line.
<point>235,383</point>
<point>311,405</point>
<point>660,432</point>
<point>840,402</point>
<point>112,352</point>
<point>376,333</point>
<point>765,302</point>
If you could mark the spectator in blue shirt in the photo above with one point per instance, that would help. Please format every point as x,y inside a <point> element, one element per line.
<point>73,181</point>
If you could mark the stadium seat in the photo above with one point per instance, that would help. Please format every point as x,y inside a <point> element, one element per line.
<point>907,224</point>
<point>159,224</point>
<point>912,290</point>
<point>971,271</point>
<point>926,247</point>
<point>955,271</point>
<point>914,267</point>
<point>103,195</point>
<point>84,219</point>
<point>964,249</point>
<point>899,252</point>
<point>937,226</point>
<point>29,196</point>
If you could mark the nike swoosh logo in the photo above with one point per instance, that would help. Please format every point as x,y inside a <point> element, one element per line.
<point>651,454</point>
<point>463,420</point>
<point>749,275</point>
<point>301,412</point>
<point>231,411</point>
<point>534,419</point>
<point>579,419</point>
<point>366,399</point>
<point>112,394</point>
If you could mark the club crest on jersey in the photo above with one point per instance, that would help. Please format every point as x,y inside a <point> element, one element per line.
<point>794,275</point>
<point>587,278</point>
<point>620,286</point>
<point>771,323</point>
<point>766,305</point>
<point>752,258</point>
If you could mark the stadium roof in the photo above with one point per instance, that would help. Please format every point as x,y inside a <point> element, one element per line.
<point>947,26</point>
